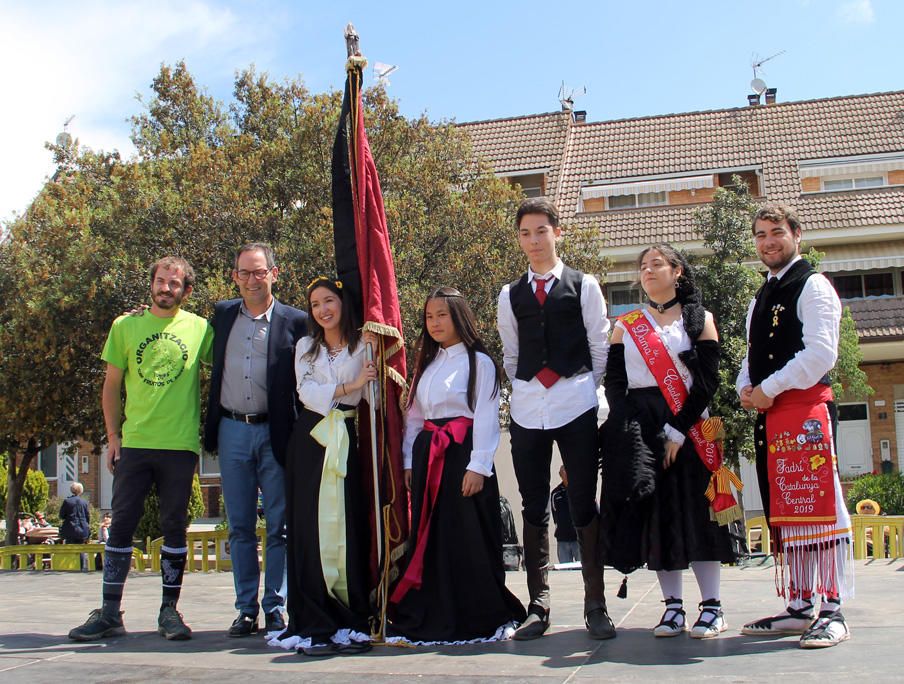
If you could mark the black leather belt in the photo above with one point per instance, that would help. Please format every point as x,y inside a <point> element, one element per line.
<point>249,418</point>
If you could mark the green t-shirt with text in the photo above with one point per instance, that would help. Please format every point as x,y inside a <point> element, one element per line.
<point>161,358</point>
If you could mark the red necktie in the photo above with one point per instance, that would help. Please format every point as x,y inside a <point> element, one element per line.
<point>546,376</point>
<point>540,292</point>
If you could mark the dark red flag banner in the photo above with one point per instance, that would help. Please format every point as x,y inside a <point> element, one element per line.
<point>364,264</point>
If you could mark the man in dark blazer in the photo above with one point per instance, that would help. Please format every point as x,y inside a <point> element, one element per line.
<point>74,514</point>
<point>250,413</point>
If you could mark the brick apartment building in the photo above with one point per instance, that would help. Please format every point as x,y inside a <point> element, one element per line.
<point>839,160</point>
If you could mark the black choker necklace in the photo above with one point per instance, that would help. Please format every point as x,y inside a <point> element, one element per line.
<point>662,307</point>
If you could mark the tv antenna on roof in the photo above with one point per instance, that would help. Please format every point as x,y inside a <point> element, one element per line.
<point>757,63</point>
<point>758,85</point>
<point>63,138</point>
<point>382,71</point>
<point>567,95</point>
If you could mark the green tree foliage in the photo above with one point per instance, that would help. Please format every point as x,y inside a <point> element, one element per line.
<point>849,381</point>
<point>208,177</point>
<point>35,492</point>
<point>728,286</point>
<point>887,490</point>
<point>149,524</point>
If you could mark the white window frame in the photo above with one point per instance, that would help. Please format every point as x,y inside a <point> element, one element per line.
<point>40,463</point>
<point>638,203</point>
<point>895,280</point>
<point>530,190</point>
<point>206,455</point>
<point>851,167</point>
<point>631,287</point>
<point>853,182</point>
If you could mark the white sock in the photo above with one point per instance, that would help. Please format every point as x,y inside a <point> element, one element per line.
<point>670,583</point>
<point>708,574</point>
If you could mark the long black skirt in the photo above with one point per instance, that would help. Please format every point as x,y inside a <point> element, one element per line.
<point>650,515</point>
<point>463,594</point>
<point>313,611</point>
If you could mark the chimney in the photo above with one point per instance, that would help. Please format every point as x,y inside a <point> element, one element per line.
<point>579,116</point>
<point>753,100</point>
<point>770,95</point>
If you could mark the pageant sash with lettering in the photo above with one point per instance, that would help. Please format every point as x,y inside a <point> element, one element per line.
<point>703,433</point>
<point>800,466</point>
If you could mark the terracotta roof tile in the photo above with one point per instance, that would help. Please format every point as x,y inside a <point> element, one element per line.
<point>774,137</point>
<point>879,318</point>
<point>522,143</point>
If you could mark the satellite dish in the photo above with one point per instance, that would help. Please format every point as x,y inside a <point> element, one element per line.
<point>758,86</point>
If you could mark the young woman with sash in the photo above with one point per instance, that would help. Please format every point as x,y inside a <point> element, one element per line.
<point>326,500</point>
<point>665,491</point>
<point>453,588</point>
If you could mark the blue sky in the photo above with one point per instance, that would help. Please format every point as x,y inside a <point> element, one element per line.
<point>460,60</point>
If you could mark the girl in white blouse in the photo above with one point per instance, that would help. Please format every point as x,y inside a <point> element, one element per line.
<point>326,501</point>
<point>452,589</point>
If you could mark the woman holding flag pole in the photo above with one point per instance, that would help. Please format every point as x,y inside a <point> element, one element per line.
<point>326,497</point>
<point>666,499</point>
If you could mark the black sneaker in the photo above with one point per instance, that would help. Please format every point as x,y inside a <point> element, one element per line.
<point>243,625</point>
<point>274,621</point>
<point>171,625</point>
<point>98,626</point>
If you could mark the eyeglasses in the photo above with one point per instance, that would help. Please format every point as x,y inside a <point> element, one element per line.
<point>259,274</point>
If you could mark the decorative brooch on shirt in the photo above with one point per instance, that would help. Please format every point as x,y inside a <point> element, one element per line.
<point>776,310</point>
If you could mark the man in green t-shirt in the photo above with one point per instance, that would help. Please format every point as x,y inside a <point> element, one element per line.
<point>157,357</point>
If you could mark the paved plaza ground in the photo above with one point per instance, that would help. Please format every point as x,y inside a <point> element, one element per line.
<point>38,609</point>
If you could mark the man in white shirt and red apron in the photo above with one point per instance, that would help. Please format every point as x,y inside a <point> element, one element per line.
<point>792,335</point>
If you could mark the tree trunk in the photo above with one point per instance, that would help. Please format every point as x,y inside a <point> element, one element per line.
<point>15,479</point>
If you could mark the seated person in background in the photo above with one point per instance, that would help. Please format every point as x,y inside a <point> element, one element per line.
<point>103,532</point>
<point>40,521</point>
<point>868,507</point>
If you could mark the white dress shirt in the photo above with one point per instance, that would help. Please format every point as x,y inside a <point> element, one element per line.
<point>819,309</point>
<point>318,378</point>
<point>534,406</point>
<point>442,392</point>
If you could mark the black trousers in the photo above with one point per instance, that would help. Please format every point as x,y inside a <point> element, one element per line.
<point>138,469</point>
<point>578,442</point>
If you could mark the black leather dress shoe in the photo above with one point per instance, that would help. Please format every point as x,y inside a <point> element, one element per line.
<point>274,621</point>
<point>319,649</point>
<point>353,648</point>
<point>599,624</point>
<point>534,626</point>
<point>243,625</point>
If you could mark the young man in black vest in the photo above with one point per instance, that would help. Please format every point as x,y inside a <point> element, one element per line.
<point>554,332</point>
<point>792,334</point>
